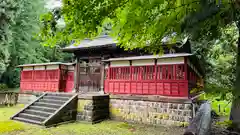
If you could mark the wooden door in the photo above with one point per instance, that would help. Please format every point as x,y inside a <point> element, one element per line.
<point>90,76</point>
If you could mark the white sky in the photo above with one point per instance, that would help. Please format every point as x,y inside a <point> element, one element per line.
<point>50,4</point>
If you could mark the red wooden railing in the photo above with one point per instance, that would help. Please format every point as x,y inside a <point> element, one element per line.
<point>168,80</point>
<point>40,80</point>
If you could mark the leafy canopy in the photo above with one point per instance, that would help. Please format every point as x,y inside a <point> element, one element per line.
<point>136,22</point>
<point>19,26</point>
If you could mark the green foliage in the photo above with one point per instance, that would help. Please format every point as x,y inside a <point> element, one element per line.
<point>136,23</point>
<point>20,24</point>
<point>3,86</point>
<point>221,106</point>
<point>133,23</point>
<point>218,57</point>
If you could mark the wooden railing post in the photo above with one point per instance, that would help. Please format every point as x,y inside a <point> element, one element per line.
<point>155,75</point>
<point>131,75</point>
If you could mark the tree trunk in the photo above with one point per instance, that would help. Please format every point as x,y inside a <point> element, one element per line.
<point>235,109</point>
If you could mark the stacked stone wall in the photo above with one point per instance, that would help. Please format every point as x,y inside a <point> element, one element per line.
<point>151,112</point>
<point>93,108</point>
<point>8,98</point>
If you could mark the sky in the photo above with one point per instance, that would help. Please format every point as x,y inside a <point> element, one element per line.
<point>51,4</point>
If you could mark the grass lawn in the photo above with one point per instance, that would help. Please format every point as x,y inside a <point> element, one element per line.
<point>9,127</point>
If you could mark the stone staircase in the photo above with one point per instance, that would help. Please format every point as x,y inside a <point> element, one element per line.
<point>49,109</point>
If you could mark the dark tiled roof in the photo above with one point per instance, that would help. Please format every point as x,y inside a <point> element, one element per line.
<point>88,43</point>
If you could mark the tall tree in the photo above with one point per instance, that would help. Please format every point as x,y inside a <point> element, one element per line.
<point>19,25</point>
<point>137,22</point>
<point>220,61</point>
<point>19,45</point>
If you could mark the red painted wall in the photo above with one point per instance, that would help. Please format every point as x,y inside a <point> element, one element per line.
<point>69,81</point>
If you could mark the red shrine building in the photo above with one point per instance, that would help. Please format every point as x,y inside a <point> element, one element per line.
<point>102,66</point>
<point>47,77</point>
<point>108,81</point>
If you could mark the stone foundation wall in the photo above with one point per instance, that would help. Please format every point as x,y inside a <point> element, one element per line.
<point>8,98</point>
<point>151,112</point>
<point>26,98</point>
<point>93,108</point>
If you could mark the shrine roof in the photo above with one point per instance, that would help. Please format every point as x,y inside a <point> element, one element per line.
<point>88,43</point>
<point>105,41</point>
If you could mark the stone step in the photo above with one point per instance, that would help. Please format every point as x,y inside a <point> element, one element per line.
<point>56,98</point>
<point>47,109</point>
<point>50,105</point>
<point>52,101</point>
<point>32,117</point>
<point>27,120</point>
<point>44,109</point>
<point>37,112</point>
<point>68,95</point>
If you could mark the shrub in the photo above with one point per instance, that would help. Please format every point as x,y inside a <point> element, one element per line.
<point>3,86</point>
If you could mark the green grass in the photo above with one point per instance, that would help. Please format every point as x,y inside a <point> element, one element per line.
<point>9,127</point>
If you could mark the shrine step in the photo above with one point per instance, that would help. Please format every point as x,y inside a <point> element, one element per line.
<point>37,112</point>
<point>49,109</point>
<point>27,120</point>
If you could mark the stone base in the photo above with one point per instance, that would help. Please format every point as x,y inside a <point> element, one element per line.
<point>26,98</point>
<point>8,98</point>
<point>93,108</point>
<point>151,112</point>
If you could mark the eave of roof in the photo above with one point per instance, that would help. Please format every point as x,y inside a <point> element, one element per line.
<point>145,57</point>
<point>44,64</point>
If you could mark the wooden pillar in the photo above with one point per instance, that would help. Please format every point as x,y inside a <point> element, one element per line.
<point>185,68</point>
<point>76,76</point>
<point>186,75</point>
<point>102,70</point>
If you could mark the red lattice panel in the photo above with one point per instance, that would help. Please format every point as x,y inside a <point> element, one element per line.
<point>167,80</point>
<point>26,75</point>
<point>39,75</point>
<point>52,75</point>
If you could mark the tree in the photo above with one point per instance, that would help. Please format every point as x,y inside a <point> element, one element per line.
<point>20,24</point>
<point>220,61</point>
<point>137,22</point>
<point>19,44</point>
